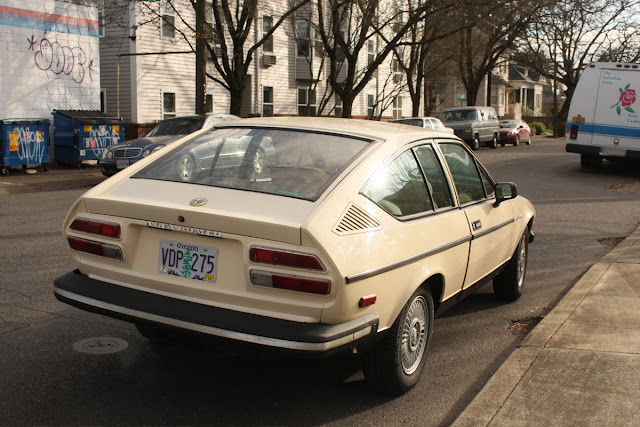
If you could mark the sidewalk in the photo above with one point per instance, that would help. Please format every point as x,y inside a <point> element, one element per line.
<point>580,366</point>
<point>57,177</point>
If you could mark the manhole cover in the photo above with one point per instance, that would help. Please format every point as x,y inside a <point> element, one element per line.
<point>101,345</point>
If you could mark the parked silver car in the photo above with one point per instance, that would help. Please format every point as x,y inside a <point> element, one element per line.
<point>475,125</point>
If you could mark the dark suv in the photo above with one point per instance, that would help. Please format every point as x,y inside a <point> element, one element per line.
<point>475,125</point>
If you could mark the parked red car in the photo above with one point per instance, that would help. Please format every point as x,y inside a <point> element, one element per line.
<point>514,132</point>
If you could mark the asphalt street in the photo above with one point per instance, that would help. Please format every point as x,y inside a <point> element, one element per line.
<point>581,215</point>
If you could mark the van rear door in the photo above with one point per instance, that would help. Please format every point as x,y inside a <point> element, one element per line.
<point>616,125</point>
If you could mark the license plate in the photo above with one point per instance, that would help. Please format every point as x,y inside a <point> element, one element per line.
<point>189,261</point>
<point>121,164</point>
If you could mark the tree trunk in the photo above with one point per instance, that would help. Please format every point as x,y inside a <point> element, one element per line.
<point>236,100</point>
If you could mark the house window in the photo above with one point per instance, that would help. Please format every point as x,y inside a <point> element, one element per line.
<point>370,106</point>
<point>208,103</point>
<point>267,101</point>
<point>303,33</point>
<point>168,105</point>
<point>338,102</point>
<point>267,25</point>
<point>101,22</point>
<point>538,100</point>
<point>371,47</point>
<point>397,107</point>
<point>168,29</point>
<point>306,102</point>
<point>497,95</point>
<point>103,100</point>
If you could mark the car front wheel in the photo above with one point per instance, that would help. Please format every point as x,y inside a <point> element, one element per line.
<point>187,168</point>
<point>508,284</point>
<point>394,366</point>
<point>475,143</point>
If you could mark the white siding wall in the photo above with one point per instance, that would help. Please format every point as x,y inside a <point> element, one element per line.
<point>42,70</point>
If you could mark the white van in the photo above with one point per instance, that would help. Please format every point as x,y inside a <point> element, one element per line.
<point>604,116</point>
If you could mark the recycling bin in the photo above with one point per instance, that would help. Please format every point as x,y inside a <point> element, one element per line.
<point>84,134</point>
<point>24,142</point>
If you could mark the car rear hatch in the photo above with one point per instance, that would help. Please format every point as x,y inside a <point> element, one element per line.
<point>167,226</point>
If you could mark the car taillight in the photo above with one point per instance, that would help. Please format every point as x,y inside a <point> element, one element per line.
<point>106,229</point>
<point>95,248</point>
<point>573,134</point>
<point>285,258</point>
<point>291,283</point>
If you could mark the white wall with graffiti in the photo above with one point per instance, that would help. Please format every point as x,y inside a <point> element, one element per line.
<point>49,58</point>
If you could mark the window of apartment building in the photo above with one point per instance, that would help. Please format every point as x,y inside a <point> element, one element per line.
<point>303,40</point>
<point>306,102</point>
<point>208,103</point>
<point>370,106</point>
<point>267,101</point>
<point>168,105</point>
<point>338,103</point>
<point>267,25</point>
<point>101,22</point>
<point>397,107</point>
<point>371,48</point>
<point>168,29</point>
<point>395,65</point>
<point>497,95</point>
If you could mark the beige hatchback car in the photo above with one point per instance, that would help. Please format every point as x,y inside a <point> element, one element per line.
<point>353,235</point>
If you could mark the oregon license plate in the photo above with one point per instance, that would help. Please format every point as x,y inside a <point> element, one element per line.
<point>187,260</point>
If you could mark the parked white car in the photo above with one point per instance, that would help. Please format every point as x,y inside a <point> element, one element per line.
<point>353,235</point>
<point>424,122</point>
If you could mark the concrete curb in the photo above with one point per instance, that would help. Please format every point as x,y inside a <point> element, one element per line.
<point>500,387</point>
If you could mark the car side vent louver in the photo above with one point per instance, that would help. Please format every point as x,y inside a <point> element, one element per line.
<point>356,220</point>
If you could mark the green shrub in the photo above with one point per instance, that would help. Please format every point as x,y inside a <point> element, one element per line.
<point>538,128</point>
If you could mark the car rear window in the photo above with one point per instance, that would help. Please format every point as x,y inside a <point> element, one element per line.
<point>177,126</point>
<point>290,163</point>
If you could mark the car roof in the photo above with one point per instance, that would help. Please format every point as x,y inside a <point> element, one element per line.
<point>369,129</point>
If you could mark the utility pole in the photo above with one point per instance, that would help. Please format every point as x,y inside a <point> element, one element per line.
<point>201,60</point>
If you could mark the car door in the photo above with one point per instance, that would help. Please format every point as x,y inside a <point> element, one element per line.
<point>491,227</point>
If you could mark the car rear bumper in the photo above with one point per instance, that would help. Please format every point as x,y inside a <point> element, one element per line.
<point>134,305</point>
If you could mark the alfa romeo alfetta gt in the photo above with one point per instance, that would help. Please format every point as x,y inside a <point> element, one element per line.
<point>353,235</point>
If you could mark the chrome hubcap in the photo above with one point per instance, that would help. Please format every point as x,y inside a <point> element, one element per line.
<point>414,335</point>
<point>522,260</point>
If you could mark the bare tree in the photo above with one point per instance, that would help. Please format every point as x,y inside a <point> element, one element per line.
<point>348,28</point>
<point>571,34</point>
<point>490,30</point>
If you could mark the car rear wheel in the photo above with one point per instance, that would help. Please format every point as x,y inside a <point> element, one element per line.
<point>529,140</point>
<point>394,366</point>
<point>590,162</point>
<point>517,140</point>
<point>508,284</point>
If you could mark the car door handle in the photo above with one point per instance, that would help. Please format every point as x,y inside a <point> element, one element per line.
<point>476,225</point>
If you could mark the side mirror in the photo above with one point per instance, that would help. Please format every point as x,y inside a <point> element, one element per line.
<point>505,191</point>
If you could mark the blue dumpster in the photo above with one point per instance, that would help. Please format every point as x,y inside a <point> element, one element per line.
<point>83,134</point>
<point>24,142</point>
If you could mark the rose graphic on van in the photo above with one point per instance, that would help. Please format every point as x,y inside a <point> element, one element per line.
<point>627,98</point>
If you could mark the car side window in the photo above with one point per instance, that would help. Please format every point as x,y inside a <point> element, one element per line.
<point>489,184</point>
<point>469,184</point>
<point>400,189</point>
<point>436,180</point>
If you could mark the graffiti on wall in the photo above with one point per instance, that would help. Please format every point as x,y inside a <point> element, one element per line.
<point>61,59</point>
<point>30,146</point>
<point>100,138</point>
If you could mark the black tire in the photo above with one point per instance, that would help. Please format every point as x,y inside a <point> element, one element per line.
<point>517,140</point>
<point>159,334</point>
<point>494,141</point>
<point>475,143</point>
<point>509,283</point>
<point>590,162</point>
<point>395,364</point>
